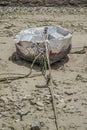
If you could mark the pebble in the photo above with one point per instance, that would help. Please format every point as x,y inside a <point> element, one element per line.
<point>39,104</point>
<point>39,108</point>
<point>18,120</point>
<point>47,102</point>
<point>32,102</point>
<point>69,109</point>
<point>36,125</point>
<point>61,100</point>
<point>56,96</point>
<point>20,112</point>
<point>68,93</point>
<point>4,99</point>
<point>48,97</point>
<point>69,99</point>
<point>78,77</point>
<point>27,97</point>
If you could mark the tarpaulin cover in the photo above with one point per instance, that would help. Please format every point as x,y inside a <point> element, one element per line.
<point>31,41</point>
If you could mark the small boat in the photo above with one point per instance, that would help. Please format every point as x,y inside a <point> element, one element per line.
<point>31,42</point>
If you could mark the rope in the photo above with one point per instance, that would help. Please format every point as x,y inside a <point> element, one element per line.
<point>21,77</point>
<point>51,88</point>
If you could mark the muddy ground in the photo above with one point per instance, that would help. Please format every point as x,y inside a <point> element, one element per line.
<point>21,101</point>
<point>43,2</point>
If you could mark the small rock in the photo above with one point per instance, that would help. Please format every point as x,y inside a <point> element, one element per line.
<point>3,99</point>
<point>32,102</point>
<point>36,125</point>
<point>68,93</point>
<point>20,112</point>
<point>27,97</point>
<point>39,108</point>
<point>56,96</point>
<point>39,104</point>
<point>48,97</point>
<point>78,77</point>
<point>5,114</point>
<point>61,100</point>
<point>69,109</point>
<point>18,120</point>
<point>61,105</point>
<point>68,99</point>
<point>47,102</point>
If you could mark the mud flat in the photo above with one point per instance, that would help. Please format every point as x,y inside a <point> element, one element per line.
<point>43,2</point>
<point>21,100</point>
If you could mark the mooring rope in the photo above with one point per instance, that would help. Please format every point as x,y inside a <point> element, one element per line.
<point>51,88</point>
